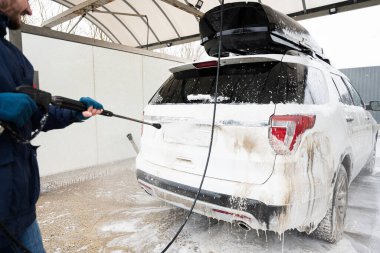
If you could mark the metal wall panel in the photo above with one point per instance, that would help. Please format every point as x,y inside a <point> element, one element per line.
<point>367,82</point>
<point>121,80</point>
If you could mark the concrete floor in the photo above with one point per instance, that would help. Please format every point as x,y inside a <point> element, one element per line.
<point>112,214</point>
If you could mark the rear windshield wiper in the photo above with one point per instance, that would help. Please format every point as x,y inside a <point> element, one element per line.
<point>205,98</point>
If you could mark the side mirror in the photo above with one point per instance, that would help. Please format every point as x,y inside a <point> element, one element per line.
<point>373,106</point>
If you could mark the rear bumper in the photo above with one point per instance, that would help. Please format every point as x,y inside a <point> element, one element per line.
<point>253,213</point>
<point>297,193</point>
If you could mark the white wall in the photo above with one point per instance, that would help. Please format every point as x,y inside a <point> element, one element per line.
<point>123,82</point>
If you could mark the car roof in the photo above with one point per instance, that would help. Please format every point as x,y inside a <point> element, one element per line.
<point>296,57</point>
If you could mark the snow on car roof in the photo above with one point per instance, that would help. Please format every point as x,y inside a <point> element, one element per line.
<point>241,59</point>
<point>231,60</point>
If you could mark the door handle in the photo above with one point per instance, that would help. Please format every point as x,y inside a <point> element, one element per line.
<point>349,119</point>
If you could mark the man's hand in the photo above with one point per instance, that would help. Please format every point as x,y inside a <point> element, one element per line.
<point>16,108</point>
<point>93,107</point>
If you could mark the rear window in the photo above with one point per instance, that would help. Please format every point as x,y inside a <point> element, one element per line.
<point>259,83</point>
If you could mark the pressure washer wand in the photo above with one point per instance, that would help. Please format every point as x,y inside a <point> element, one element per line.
<point>44,99</point>
<point>75,105</point>
<point>110,114</point>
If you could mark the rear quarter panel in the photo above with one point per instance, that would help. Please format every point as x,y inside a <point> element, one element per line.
<point>309,172</point>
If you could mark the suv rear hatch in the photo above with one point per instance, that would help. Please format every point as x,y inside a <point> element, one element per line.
<point>248,89</point>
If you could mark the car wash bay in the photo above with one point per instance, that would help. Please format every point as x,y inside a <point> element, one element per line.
<point>101,208</point>
<point>112,214</point>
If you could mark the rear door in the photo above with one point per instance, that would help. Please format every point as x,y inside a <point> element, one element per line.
<point>184,106</point>
<point>364,124</point>
<point>353,121</point>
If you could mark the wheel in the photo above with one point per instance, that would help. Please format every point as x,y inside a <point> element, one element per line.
<point>331,228</point>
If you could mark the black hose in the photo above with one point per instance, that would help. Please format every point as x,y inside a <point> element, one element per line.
<point>212,134</point>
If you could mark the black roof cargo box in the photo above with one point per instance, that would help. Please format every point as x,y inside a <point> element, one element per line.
<point>252,28</point>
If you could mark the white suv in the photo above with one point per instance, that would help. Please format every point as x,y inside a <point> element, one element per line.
<point>291,133</point>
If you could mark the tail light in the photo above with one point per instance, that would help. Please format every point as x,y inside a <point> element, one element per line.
<point>285,130</point>
<point>206,64</point>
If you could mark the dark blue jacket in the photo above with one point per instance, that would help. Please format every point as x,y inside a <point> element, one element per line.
<point>19,176</point>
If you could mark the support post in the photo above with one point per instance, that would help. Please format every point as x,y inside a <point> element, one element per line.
<point>15,38</point>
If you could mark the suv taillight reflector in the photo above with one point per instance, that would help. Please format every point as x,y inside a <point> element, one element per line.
<point>206,64</point>
<point>285,129</point>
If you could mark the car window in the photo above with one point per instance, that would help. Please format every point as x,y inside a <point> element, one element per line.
<point>261,83</point>
<point>316,91</point>
<point>354,94</point>
<point>344,94</point>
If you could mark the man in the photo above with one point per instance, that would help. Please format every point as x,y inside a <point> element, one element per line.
<point>19,175</point>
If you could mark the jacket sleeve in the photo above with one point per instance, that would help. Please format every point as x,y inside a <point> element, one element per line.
<point>58,118</point>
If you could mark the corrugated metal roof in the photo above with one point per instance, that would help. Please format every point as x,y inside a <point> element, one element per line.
<point>176,21</point>
<point>366,80</point>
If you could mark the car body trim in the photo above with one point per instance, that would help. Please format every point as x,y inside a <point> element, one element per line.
<point>262,212</point>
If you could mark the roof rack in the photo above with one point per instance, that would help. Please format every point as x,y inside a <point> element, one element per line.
<point>254,28</point>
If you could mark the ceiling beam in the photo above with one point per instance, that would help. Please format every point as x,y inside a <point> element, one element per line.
<point>144,19</point>
<point>174,42</point>
<point>187,8</point>
<point>167,18</point>
<point>77,10</point>
<point>93,20</point>
<point>304,6</point>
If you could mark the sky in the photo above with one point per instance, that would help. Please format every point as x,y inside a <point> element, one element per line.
<point>349,39</point>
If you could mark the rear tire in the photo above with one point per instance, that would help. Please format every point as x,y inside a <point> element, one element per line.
<point>331,228</point>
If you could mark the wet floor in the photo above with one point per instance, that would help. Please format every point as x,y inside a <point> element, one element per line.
<point>112,214</point>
